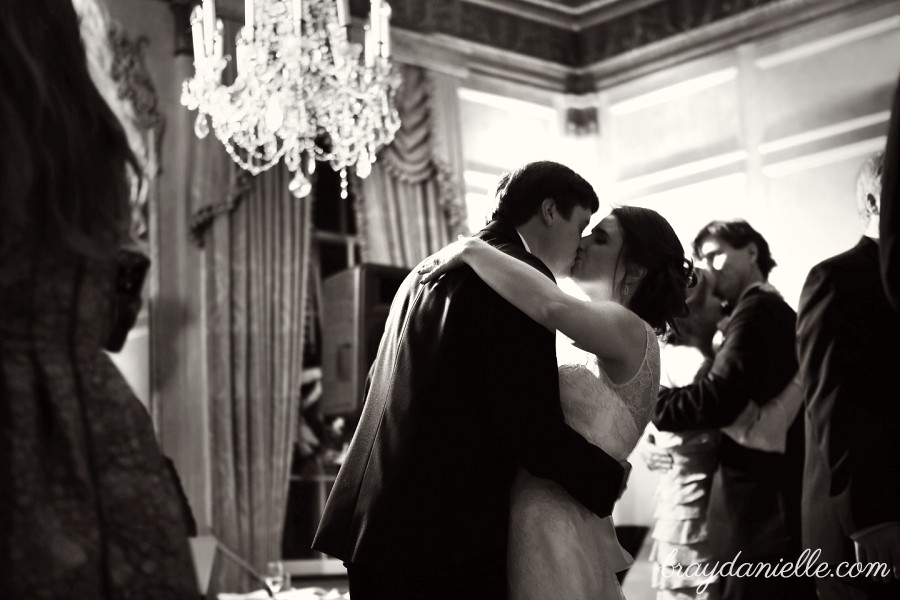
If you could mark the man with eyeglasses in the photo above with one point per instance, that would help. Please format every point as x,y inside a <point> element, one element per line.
<point>755,500</point>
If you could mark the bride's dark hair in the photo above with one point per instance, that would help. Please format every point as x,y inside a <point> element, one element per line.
<point>650,242</point>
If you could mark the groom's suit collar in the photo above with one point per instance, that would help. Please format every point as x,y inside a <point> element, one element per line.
<point>506,238</point>
<point>524,242</point>
<point>868,248</point>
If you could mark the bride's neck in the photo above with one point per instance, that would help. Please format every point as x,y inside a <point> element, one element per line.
<point>596,291</point>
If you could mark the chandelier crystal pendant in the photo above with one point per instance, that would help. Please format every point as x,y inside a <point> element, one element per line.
<point>303,92</point>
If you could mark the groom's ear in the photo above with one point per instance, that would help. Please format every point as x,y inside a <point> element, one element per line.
<point>548,211</point>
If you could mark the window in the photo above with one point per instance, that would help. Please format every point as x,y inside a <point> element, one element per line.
<point>335,247</point>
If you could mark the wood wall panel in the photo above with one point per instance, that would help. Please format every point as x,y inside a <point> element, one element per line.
<point>178,367</point>
<point>676,125</point>
<point>839,77</point>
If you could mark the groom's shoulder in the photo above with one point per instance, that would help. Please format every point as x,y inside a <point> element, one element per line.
<point>505,238</point>
<point>501,236</point>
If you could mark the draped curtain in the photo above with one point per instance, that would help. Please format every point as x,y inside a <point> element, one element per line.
<point>256,274</point>
<point>410,205</point>
<point>256,243</point>
<point>256,262</point>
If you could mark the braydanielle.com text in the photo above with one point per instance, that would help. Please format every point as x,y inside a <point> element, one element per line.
<point>807,565</point>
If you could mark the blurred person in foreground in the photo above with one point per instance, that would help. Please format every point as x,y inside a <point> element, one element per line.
<point>88,508</point>
<point>847,337</point>
<point>889,209</point>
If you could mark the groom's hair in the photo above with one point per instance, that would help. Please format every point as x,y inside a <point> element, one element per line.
<point>521,192</point>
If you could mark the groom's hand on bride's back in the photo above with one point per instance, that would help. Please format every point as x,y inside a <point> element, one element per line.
<point>627,466</point>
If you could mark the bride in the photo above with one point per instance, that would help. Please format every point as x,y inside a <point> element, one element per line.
<point>632,270</point>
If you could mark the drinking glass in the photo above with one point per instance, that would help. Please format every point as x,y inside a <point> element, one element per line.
<point>275,576</point>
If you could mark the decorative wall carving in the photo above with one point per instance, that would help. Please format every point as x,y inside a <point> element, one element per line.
<point>130,72</point>
<point>135,88</point>
<point>582,121</point>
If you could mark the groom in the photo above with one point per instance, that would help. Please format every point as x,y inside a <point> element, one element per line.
<point>464,389</point>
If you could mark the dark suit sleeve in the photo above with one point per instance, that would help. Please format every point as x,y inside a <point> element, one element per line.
<point>853,439</point>
<point>188,515</point>
<point>740,365</point>
<point>525,411</point>
<point>889,226</point>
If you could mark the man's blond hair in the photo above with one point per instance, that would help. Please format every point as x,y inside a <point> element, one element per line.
<point>868,183</point>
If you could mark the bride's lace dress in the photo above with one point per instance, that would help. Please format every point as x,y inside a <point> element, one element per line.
<point>558,548</point>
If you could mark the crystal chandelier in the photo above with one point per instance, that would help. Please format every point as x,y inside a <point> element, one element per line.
<point>303,91</point>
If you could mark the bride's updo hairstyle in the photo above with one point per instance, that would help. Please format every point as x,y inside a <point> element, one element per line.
<point>650,242</point>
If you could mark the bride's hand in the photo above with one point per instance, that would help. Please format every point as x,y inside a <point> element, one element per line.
<point>655,458</point>
<point>449,257</point>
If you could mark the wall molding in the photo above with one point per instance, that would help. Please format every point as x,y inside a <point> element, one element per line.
<point>695,183</point>
<point>824,157</point>
<point>629,187</point>
<point>821,133</point>
<point>668,93</point>
<point>827,43</point>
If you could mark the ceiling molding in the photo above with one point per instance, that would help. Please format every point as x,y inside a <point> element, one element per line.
<point>729,32</point>
<point>572,18</point>
<point>574,8</point>
<point>604,41</point>
<point>532,12</point>
<point>613,11</point>
<point>829,42</point>
<point>528,41</point>
<point>485,59</point>
<point>468,60</point>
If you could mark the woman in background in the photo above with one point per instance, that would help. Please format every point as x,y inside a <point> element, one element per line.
<point>688,462</point>
<point>87,507</point>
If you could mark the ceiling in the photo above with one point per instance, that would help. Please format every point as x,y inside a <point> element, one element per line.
<point>571,33</point>
<point>571,46</point>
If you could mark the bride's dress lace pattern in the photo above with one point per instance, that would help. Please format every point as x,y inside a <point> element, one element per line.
<point>87,509</point>
<point>559,549</point>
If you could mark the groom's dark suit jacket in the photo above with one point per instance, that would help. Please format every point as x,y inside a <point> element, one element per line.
<point>848,336</point>
<point>755,501</point>
<point>464,388</point>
